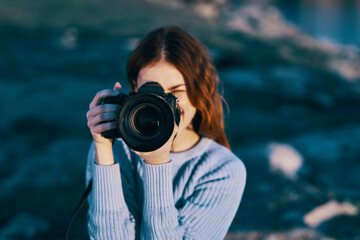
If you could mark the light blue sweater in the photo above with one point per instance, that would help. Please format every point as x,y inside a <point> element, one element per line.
<point>194,196</point>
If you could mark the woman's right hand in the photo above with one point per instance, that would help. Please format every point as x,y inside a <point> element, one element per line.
<point>101,118</point>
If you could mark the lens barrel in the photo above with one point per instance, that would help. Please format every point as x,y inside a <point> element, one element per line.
<point>146,122</point>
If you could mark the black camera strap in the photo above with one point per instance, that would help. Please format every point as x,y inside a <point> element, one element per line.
<point>78,208</point>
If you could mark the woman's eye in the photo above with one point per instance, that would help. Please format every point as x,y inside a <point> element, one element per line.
<point>178,93</point>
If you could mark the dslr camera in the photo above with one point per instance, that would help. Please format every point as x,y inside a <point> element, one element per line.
<point>146,118</point>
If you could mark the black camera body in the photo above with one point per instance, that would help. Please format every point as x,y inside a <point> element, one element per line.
<point>146,118</point>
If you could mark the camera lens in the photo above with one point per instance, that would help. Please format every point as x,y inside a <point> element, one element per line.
<point>146,121</point>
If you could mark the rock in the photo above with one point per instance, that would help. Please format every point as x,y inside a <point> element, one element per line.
<point>285,159</point>
<point>69,38</point>
<point>175,4</point>
<point>46,168</point>
<point>347,68</point>
<point>290,82</point>
<point>242,78</point>
<point>24,225</point>
<point>329,170</point>
<point>206,10</point>
<point>342,227</point>
<point>260,21</point>
<point>327,211</point>
<point>266,27</point>
<point>294,234</point>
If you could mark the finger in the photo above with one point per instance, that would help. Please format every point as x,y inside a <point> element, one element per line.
<point>105,108</point>
<point>117,86</point>
<point>175,131</point>
<point>101,118</point>
<point>102,94</point>
<point>136,152</point>
<point>103,127</point>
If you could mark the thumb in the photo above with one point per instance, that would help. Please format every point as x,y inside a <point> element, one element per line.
<point>117,86</point>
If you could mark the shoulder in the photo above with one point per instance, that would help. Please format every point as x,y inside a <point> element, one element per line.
<point>220,162</point>
<point>219,156</point>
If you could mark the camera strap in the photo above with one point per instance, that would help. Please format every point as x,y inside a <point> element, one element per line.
<point>78,208</point>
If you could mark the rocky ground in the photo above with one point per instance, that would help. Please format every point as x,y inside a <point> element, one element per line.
<point>294,120</point>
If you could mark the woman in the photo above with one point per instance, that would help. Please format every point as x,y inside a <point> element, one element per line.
<point>191,187</point>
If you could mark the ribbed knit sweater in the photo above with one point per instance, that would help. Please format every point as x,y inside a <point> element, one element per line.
<point>194,196</point>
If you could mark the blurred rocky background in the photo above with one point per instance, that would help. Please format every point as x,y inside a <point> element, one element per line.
<point>290,73</point>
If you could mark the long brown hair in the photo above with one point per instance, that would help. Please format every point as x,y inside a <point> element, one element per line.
<point>191,59</point>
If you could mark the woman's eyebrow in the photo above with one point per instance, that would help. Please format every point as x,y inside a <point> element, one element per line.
<point>176,86</point>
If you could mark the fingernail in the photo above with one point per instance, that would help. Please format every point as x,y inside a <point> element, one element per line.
<point>117,86</point>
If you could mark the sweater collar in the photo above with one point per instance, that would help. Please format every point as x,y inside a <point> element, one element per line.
<point>191,153</point>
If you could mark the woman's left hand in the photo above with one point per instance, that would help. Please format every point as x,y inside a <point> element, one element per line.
<point>161,155</point>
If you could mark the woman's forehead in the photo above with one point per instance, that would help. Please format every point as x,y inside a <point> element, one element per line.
<point>163,73</point>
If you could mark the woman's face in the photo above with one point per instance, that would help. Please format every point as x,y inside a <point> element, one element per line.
<point>173,82</point>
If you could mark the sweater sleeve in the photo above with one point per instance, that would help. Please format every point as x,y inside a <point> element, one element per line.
<point>109,216</point>
<point>159,216</point>
<point>206,214</point>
